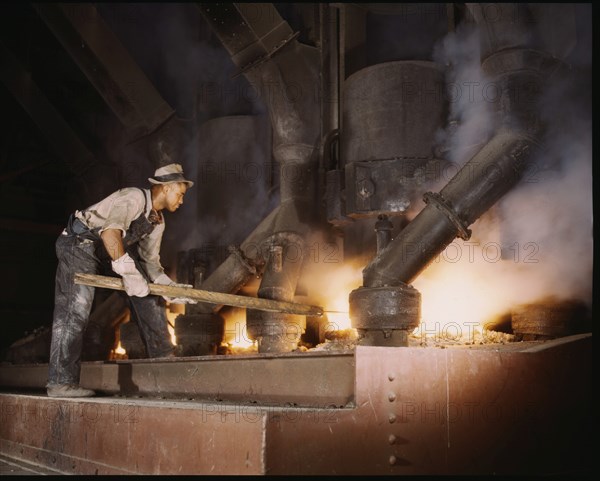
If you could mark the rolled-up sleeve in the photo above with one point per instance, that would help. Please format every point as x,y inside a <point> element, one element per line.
<point>149,250</point>
<point>122,212</point>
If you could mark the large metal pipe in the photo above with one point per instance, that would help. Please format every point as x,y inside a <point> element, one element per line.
<point>238,268</point>
<point>279,332</point>
<point>492,172</point>
<point>519,73</point>
<point>285,73</point>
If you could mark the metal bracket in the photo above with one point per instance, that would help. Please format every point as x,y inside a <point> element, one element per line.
<point>267,56</point>
<point>237,252</point>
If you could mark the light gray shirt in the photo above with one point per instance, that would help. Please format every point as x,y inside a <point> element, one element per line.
<point>118,211</point>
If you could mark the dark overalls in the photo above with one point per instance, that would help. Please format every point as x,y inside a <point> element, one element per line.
<point>82,250</point>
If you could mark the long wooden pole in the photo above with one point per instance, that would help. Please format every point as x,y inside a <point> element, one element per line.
<point>205,296</point>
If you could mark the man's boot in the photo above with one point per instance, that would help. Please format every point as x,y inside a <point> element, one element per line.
<point>69,390</point>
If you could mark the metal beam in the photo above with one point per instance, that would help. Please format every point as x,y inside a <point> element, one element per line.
<point>107,64</point>
<point>251,32</point>
<point>306,379</point>
<point>53,127</point>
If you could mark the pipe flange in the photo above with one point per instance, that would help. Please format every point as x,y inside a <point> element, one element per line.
<point>275,332</point>
<point>445,207</point>
<point>387,308</point>
<point>507,61</point>
<point>244,261</point>
<point>385,338</point>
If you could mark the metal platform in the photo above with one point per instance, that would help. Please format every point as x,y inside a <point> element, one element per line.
<point>307,379</point>
<point>521,408</point>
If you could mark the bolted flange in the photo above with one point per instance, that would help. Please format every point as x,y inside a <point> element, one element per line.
<point>384,316</point>
<point>275,332</point>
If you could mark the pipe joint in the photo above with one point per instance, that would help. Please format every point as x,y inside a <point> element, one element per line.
<point>385,315</point>
<point>445,207</point>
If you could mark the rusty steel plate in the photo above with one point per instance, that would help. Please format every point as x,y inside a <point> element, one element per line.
<point>516,408</point>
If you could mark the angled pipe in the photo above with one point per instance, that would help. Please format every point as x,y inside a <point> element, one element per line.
<point>285,72</point>
<point>509,59</point>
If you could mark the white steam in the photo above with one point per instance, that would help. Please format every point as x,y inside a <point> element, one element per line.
<point>471,119</point>
<point>537,242</point>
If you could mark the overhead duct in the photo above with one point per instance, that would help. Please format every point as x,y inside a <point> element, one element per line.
<point>516,68</point>
<point>285,73</point>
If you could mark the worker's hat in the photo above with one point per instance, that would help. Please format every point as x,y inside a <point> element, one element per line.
<point>169,173</point>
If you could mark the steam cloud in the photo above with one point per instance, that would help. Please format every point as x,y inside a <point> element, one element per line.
<point>471,119</point>
<point>537,242</point>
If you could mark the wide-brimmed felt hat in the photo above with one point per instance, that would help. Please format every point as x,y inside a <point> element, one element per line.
<point>168,174</point>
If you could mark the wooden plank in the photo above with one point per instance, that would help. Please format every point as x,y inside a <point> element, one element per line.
<point>205,296</point>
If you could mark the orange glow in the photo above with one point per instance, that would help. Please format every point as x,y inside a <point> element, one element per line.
<point>460,291</point>
<point>330,287</point>
<point>338,320</point>
<point>120,349</point>
<point>459,298</point>
<point>236,334</point>
<point>171,316</point>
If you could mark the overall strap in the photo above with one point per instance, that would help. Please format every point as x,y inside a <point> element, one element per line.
<point>139,228</point>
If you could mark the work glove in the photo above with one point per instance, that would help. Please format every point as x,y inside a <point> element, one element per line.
<point>133,280</point>
<point>165,280</point>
